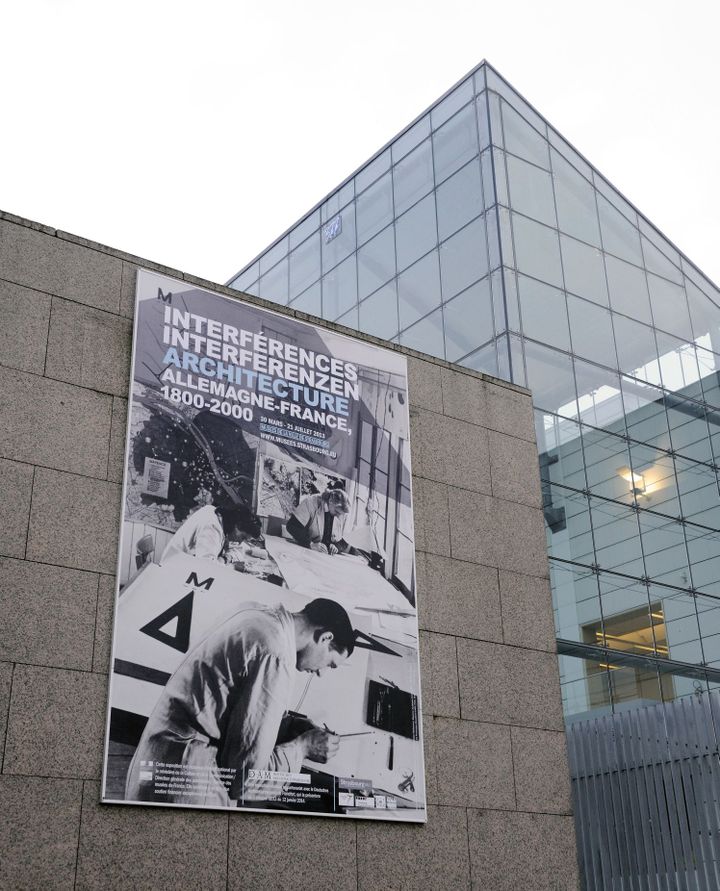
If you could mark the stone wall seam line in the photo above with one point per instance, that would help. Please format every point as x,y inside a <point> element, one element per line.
<point>57,565</point>
<point>512,763</point>
<point>57,380</point>
<point>469,852</point>
<point>80,829</point>
<point>52,667</point>
<point>83,476</point>
<point>95,626</point>
<point>29,516</point>
<point>6,728</point>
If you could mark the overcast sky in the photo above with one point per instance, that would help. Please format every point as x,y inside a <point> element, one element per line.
<point>193,134</point>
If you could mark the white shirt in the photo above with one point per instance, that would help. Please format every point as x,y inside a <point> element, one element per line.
<point>201,535</point>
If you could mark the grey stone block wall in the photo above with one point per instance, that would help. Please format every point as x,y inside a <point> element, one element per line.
<point>497,778</point>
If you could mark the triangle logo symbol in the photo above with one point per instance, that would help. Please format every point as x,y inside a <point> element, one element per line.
<point>170,628</point>
<point>179,615</point>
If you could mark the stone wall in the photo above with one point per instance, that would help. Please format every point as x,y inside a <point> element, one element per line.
<point>499,814</point>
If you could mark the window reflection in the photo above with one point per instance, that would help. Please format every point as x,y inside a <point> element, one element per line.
<point>640,631</point>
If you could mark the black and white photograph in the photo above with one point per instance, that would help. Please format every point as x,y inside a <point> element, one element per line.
<point>265,647</point>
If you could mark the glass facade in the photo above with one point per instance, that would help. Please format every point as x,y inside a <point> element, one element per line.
<point>481,236</point>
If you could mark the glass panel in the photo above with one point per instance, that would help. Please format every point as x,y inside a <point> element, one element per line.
<point>274,284</point>
<point>247,278</point>
<point>488,178</point>
<point>304,266</point>
<point>250,289</point>
<point>310,301</point>
<point>688,427</point>
<point>521,139</point>
<point>614,198</point>
<point>714,432</point>
<point>676,612</point>
<point>372,171</point>
<point>482,120</point>
<point>678,365</point>
<point>561,454</point>
<point>450,104</point>
<point>567,524</point>
<point>544,313</point>
<point>304,229</point>
<point>496,134</point>
<point>619,236</point>
<point>569,153</point>
<point>338,238</point>
<point>505,300</point>
<point>337,201</point>
<point>408,140</point>
<point>531,190</point>
<point>705,315</point>
<point>709,616</point>
<point>635,685</point>
<point>584,270</point>
<point>416,232</point>
<point>350,319</point>
<point>577,692</point>
<point>419,289</point>
<point>607,464</point>
<point>516,364</point>
<point>463,258</point>
<point>663,544</point>
<point>591,331</point>
<point>636,350</point>
<point>339,289</point>
<point>550,377</point>
<point>698,493</point>
<point>500,243</point>
<point>376,262</point>
<point>669,306</point>
<point>704,552</point>
<point>273,255</point>
<point>374,208</point>
<point>459,200</point>
<point>485,359</point>
<point>657,262</point>
<point>379,313</point>
<point>500,177</point>
<point>659,241</point>
<point>426,336</point>
<point>575,196</point>
<point>652,481</point>
<point>646,418</point>
<point>617,543</point>
<point>455,143</point>
<point>707,368</point>
<point>468,320</point>
<point>576,599</point>
<point>537,250</point>
<point>626,623</point>
<point>599,400</point>
<point>628,289</point>
<point>413,177</point>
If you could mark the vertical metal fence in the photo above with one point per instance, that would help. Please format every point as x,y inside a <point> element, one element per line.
<point>646,790</point>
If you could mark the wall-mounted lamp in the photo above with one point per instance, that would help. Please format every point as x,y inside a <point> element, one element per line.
<point>636,480</point>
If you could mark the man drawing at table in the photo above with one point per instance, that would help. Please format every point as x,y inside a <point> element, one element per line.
<point>221,712</point>
<point>313,521</point>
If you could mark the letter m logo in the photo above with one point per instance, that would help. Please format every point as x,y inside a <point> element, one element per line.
<point>196,583</point>
<point>166,298</point>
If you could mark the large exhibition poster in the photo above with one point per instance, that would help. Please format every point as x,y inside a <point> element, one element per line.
<point>265,649</point>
